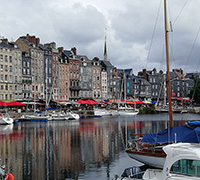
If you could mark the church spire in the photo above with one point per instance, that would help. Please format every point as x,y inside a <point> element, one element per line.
<point>105,48</point>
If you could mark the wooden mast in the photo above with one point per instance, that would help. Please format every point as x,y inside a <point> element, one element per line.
<point>168,72</point>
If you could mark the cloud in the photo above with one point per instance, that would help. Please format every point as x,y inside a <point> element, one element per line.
<point>130,26</point>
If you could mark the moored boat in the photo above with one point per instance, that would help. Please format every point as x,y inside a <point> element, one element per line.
<point>5,119</point>
<point>102,112</point>
<point>148,149</point>
<point>182,163</point>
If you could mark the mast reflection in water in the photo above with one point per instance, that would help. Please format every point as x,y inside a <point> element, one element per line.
<point>85,149</point>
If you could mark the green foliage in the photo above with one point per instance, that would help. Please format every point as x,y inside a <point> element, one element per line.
<point>146,110</point>
<point>195,92</point>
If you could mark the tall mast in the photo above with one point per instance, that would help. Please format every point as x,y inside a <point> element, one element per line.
<point>167,58</point>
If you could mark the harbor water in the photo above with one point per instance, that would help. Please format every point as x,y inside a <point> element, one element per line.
<point>90,148</point>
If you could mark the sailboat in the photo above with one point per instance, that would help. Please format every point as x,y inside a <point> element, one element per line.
<point>124,110</point>
<point>150,152</point>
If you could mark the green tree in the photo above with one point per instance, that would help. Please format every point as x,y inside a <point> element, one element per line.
<point>195,92</point>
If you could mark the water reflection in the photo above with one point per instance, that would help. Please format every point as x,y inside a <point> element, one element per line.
<point>84,149</point>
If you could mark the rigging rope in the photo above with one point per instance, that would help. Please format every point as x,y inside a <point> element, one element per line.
<point>192,47</point>
<point>180,12</point>
<point>154,29</point>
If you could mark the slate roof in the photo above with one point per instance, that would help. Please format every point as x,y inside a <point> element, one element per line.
<point>5,45</point>
<point>67,53</point>
<point>106,63</point>
<point>120,72</point>
<point>145,82</point>
<point>135,78</point>
<point>81,57</point>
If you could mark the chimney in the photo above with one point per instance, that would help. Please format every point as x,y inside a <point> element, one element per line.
<point>31,39</point>
<point>73,50</point>
<point>144,73</point>
<point>5,40</point>
<point>60,50</point>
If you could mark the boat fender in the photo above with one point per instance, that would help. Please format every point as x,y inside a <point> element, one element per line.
<point>139,141</point>
<point>9,176</point>
<point>1,114</point>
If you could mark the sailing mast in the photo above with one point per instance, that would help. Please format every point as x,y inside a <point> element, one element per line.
<point>167,58</point>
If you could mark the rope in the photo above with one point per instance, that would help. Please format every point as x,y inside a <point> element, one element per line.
<point>154,29</point>
<point>180,12</point>
<point>192,47</point>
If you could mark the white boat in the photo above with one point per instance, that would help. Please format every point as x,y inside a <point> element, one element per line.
<point>126,111</point>
<point>102,112</point>
<point>5,119</point>
<point>58,116</point>
<point>35,117</point>
<point>114,112</point>
<point>73,116</point>
<point>182,163</point>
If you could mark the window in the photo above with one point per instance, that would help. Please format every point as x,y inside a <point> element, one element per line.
<point>1,57</point>
<point>187,167</point>
<point>6,58</point>
<point>10,57</point>
<point>6,68</point>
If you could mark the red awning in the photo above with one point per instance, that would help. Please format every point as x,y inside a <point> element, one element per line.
<point>3,104</point>
<point>15,103</point>
<point>90,102</point>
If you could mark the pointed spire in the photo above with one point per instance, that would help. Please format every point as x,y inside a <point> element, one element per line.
<point>105,48</point>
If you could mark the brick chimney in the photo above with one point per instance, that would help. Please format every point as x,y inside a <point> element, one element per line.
<point>73,50</point>
<point>144,71</point>
<point>5,40</point>
<point>60,50</point>
<point>31,39</point>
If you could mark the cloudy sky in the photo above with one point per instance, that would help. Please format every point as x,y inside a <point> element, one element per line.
<point>134,29</point>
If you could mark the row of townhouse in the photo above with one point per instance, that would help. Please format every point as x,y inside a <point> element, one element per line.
<point>152,84</point>
<point>31,70</point>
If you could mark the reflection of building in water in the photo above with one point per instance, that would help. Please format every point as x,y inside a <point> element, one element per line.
<point>42,151</point>
<point>11,151</point>
<point>98,142</point>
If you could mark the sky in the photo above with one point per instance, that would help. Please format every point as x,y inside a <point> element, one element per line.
<point>134,29</point>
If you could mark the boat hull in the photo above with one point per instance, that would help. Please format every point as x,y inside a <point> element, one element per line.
<point>128,113</point>
<point>6,121</point>
<point>156,160</point>
<point>102,112</point>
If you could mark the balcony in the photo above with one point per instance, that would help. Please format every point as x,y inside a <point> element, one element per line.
<point>75,88</point>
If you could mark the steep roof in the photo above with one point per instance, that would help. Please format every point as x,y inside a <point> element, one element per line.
<point>106,63</point>
<point>145,82</point>
<point>82,57</point>
<point>5,45</point>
